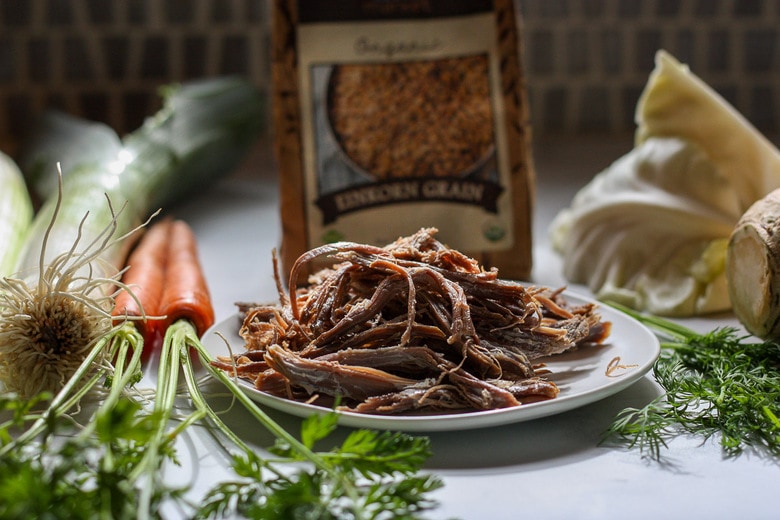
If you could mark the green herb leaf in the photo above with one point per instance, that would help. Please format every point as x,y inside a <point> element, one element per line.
<point>317,427</point>
<point>370,475</point>
<point>721,382</point>
<point>373,452</point>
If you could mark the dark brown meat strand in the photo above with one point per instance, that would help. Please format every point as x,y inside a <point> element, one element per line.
<point>411,327</point>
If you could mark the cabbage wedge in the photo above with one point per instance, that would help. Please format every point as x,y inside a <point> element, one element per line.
<point>651,230</point>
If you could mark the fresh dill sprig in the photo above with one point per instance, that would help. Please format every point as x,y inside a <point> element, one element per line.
<point>718,383</point>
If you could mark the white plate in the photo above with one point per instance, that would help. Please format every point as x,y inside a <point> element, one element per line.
<point>584,376</point>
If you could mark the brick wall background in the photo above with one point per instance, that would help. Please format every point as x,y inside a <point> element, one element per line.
<point>106,59</point>
<point>586,60</point>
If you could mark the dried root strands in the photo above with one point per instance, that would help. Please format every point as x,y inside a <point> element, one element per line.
<point>45,335</point>
<point>413,326</point>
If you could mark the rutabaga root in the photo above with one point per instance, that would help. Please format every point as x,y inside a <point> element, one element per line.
<point>753,268</point>
<point>50,323</point>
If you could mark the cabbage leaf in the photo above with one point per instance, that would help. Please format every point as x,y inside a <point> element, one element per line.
<point>651,230</point>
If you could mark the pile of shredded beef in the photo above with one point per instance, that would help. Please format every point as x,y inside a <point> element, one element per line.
<point>410,327</point>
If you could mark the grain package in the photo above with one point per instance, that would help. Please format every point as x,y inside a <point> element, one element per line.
<point>392,116</point>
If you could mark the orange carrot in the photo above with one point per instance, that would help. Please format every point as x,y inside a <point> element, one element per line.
<point>165,275</point>
<point>145,277</point>
<point>185,294</point>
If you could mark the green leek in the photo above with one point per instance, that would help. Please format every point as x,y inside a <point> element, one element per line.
<point>202,132</point>
<point>16,212</point>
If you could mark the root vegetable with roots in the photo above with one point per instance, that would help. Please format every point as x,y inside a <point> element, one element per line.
<point>51,320</point>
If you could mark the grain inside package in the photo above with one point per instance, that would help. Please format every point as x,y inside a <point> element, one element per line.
<point>395,116</point>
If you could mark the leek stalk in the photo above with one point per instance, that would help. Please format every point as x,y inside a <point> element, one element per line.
<point>16,212</point>
<point>202,132</point>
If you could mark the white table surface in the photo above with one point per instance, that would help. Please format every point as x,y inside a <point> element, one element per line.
<point>550,468</point>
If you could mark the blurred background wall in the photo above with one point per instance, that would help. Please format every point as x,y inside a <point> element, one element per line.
<point>586,61</point>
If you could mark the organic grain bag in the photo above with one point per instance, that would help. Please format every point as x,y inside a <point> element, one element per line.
<point>391,116</point>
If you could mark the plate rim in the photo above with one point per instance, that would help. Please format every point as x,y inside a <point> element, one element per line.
<point>650,348</point>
